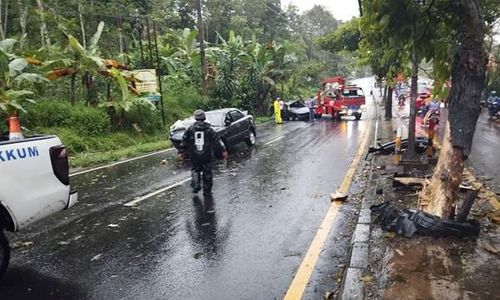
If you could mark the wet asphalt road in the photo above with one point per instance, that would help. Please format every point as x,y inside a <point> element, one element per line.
<point>485,154</point>
<point>245,243</point>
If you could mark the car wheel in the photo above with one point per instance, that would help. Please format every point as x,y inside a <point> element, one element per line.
<point>4,253</point>
<point>251,138</point>
<point>357,116</point>
<point>318,116</point>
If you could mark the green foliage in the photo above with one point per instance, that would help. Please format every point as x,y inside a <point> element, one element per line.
<point>83,120</point>
<point>145,115</point>
<point>346,37</point>
<point>13,76</point>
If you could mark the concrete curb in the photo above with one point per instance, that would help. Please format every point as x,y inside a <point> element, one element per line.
<point>353,287</point>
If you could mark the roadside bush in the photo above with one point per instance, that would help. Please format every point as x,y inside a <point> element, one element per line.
<point>89,121</point>
<point>181,100</point>
<point>81,119</point>
<point>146,116</point>
<point>74,142</point>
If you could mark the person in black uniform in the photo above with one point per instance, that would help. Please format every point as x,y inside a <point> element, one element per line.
<point>200,142</point>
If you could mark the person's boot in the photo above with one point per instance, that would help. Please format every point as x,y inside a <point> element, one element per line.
<point>195,182</point>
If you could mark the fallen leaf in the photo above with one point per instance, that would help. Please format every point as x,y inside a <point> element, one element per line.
<point>97,257</point>
<point>367,279</point>
<point>494,216</point>
<point>390,234</point>
<point>400,252</point>
<point>22,244</point>
<point>489,247</point>
<point>328,295</point>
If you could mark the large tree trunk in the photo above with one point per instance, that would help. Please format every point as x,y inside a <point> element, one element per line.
<point>43,26</point>
<point>468,76</point>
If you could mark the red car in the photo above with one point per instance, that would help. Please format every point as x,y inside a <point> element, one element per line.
<point>420,103</point>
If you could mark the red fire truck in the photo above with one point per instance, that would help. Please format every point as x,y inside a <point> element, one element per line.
<point>338,99</point>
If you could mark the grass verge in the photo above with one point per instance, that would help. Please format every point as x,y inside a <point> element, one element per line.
<point>86,159</point>
<point>263,119</point>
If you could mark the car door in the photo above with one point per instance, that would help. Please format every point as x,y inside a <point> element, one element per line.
<point>240,130</point>
<point>230,128</point>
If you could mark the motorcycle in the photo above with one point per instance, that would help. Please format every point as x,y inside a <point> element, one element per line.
<point>494,108</point>
<point>401,101</point>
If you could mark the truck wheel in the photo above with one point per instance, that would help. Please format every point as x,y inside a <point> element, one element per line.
<point>4,253</point>
<point>251,138</point>
<point>357,116</point>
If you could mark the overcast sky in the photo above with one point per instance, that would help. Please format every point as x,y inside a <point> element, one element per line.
<point>341,9</point>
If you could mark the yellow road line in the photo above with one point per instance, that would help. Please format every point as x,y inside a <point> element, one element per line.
<point>301,279</point>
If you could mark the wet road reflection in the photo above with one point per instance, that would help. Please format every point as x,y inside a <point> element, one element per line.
<point>244,243</point>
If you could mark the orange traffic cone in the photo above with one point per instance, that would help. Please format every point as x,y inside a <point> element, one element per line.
<point>15,129</point>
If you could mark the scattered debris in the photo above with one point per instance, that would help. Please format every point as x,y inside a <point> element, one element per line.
<point>367,279</point>
<point>113,225</point>
<point>338,196</point>
<point>163,162</point>
<point>328,295</point>
<point>97,257</point>
<point>388,148</point>
<point>198,255</point>
<point>407,222</point>
<point>408,181</point>
<point>489,247</point>
<point>494,216</point>
<point>401,253</point>
<point>19,244</point>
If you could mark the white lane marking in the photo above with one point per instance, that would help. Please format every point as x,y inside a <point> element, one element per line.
<point>275,140</point>
<point>147,196</point>
<point>120,162</point>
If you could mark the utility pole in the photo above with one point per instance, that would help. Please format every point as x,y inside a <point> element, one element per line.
<point>201,40</point>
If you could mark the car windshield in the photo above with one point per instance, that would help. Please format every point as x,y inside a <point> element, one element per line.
<point>297,104</point>
<point>214,118</point>
<point>352,93</point>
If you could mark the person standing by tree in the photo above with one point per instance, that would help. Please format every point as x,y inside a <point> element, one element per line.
<point>200,142</point>
<point>277,111</point>
<point>310,105</point>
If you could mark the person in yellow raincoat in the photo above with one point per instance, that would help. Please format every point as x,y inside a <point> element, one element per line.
<point>277,111</point>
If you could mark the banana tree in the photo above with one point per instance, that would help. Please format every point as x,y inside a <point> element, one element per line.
<point>14,80</point>
<point>228,61</point>
<point>118,107</point>
<point>183,59</point>
<point>83,61</point>
<point>259,63</point>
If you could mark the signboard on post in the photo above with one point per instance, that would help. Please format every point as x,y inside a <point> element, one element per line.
<point>147,84</point>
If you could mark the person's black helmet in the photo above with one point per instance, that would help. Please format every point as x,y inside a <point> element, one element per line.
<point>199,115</point>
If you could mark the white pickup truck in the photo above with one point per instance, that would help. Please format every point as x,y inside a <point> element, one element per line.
<point>34,183</point>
